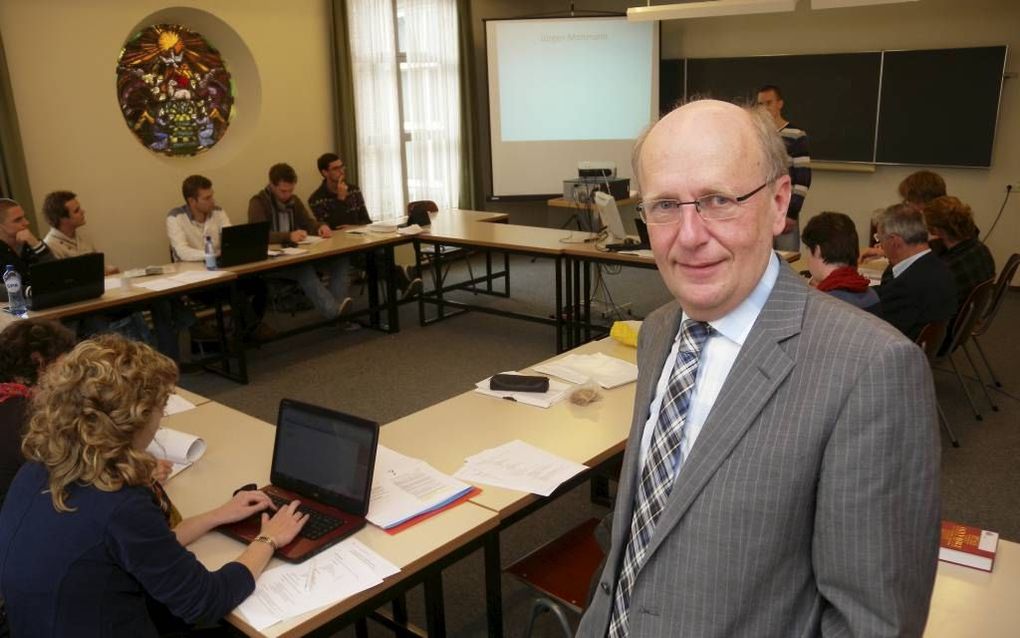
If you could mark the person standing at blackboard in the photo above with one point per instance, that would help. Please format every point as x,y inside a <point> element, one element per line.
<point>770,97</point>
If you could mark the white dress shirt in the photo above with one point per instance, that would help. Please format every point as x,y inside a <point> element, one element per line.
<point>898,269</point>
<point>718,353</point>
<point>187,236</point>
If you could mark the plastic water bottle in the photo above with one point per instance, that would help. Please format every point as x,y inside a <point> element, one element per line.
<point>210,254</point>
<point>15,295</point>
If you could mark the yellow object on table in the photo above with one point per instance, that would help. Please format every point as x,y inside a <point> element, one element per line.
<point>626,332</point>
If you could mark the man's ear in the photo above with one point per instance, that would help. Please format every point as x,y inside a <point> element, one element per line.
<point>782,190</point>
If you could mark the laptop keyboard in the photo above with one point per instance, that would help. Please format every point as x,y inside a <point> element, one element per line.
<point>318,524</point>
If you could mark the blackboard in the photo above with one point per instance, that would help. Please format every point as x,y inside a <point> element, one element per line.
<point>936,107</point>
<point>940,106</point>
<point>834,97</point>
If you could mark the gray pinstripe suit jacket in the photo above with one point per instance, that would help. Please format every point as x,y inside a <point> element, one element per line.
<point>809,504</point>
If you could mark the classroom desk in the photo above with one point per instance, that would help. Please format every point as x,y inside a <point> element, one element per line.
<point>969,602</point>
<point>504,238</point>
<point>240,451</point>
<point>448,432</point>
<point>191,397</point>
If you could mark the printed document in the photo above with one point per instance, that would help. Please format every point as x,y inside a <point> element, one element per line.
<point>519,466</point>
<point>405,487</point>
<point>337,573</point>
<point>608,372</point>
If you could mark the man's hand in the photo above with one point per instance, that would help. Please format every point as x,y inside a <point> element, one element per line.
<point>26,237</point>
<point>325,232</point>
<point>874,252</point>
<point>297,235</point>
<point>110,270</point>
<point>341,190</point>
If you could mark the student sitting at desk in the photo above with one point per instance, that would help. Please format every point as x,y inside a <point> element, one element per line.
<point>18,246</point>
<point>26,348</point>
<point>831,239</point>
<point>85,547</point>
<point>290,222</point>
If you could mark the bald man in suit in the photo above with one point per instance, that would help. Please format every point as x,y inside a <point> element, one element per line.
<point>781,476</point>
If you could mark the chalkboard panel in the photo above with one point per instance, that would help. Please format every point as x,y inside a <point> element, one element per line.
<point>939,106</point>
<point>834,97</point>
<point>671,84</point>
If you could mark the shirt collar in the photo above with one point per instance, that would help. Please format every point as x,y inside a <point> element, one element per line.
<point>736,324</point>
<point>57,234</point>
<point>898,269</point>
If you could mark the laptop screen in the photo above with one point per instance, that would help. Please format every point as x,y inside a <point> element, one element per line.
<point>325,455</point>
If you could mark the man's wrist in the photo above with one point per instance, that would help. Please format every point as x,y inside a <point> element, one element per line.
<point>266,539</point>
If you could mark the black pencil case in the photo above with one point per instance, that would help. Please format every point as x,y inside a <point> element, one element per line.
<point>518,383</point>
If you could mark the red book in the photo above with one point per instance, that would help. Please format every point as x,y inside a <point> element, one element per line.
<point>968,546</point>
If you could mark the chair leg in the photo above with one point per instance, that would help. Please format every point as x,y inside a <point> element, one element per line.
<point>945,425</point>
<point>988,365</point>
<point>981,381</point>
<point>963,384</point>
<point>543,604</point>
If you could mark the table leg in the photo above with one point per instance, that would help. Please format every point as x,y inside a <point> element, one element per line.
<point>493,585</point>
<point>392,311</point>
<point>435,617</point>
<point>587,301</point>
<point>372,273</point>
<point>559,305</point>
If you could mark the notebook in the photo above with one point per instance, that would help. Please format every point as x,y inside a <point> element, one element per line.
<point>64,281</point>
<point>243,244</point>
<point>325,459</point>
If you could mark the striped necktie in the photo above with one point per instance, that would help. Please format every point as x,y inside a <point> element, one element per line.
<point>661,465</point>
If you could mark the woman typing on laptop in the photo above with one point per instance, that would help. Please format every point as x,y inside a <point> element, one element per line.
<point>85,545</point>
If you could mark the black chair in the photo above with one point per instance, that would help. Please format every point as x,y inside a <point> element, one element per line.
<point>930,339</point>
<point>967,319</point>
<point>1001,286</point>
<point>419,210</point>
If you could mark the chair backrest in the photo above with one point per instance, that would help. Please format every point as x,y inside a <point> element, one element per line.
<point>931,337</point>
<point>970,313</point>
<point>1001,286</point>
<point>418,211</point>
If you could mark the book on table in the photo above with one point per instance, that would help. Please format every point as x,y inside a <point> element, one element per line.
<point>968,546</point>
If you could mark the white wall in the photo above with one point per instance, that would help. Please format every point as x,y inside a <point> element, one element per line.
<point>62,56</point>
<point>912,25</point>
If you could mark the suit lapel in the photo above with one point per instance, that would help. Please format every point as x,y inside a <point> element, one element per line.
<point>756,375</point>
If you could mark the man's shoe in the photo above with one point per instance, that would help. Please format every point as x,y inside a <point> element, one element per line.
<point>350,326</point>
<point>263,332</point>
<point>413,289</point>
<point>345,306</point>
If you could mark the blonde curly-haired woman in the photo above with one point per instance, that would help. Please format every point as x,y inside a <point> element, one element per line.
<point>85,546</point>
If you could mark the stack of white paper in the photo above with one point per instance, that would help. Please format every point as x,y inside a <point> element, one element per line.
<point>175,404</point>
<point>181,278</point>
<point>291,590</point>
<point>519,466</point>
<point>310,240</point>
<point>608,372</point>
<point>556,392</point>
<point>180,448</point>
<point>293,251</point>
<point>405,487</point>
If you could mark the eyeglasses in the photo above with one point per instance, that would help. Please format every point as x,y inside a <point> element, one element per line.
<point>714,207</point>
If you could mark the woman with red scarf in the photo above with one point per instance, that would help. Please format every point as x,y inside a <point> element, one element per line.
<point>26,348</point>
<point>831,239</point>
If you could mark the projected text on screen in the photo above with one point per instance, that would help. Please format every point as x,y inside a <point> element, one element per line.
<point>573,80</point>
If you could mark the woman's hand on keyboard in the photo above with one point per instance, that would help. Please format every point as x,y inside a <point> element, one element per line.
<point>285,523</point>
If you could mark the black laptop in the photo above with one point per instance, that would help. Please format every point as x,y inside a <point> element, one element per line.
<point>630,244</point>
<point>243,244</point>
<point>64,281</point>
<point>325,459</point>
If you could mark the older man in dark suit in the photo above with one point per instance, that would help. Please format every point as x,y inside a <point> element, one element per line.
<point>917,288</point>
<point>781,476</point>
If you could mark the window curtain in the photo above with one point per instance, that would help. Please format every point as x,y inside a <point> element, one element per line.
<point>13,171</point>
<point>344,120</point>
<point>431,100</point>
<point>375,74</point>
<point>471,188</point>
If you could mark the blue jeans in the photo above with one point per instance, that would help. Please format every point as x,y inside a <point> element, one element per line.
<point>326,300</point>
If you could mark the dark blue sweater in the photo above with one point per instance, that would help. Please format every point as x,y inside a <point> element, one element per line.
<point>88,572</point>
